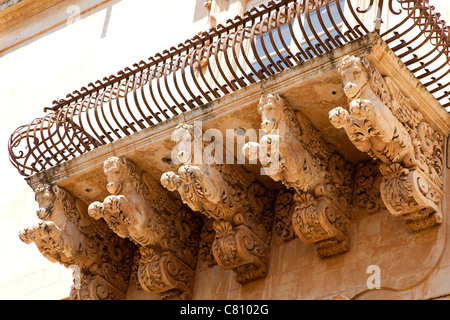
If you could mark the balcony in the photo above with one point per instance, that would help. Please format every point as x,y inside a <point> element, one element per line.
<point>209,66</point>
<point>109,147</point>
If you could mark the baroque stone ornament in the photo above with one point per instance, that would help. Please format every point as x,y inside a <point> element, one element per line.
<point>166,232</point>
<point>367,187</point>
<point>370,124</point>
<point>408,193</point>
<point>68,235</point>
<point>318,211</point>
<point>382,123</point>
<point>241,209</point>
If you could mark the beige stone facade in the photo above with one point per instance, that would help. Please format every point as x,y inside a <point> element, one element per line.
<point>342,193</point>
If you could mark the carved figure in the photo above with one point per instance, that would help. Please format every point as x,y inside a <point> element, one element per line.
<point>233,199</point>
<point>69,236</point>
<point>140,209</point>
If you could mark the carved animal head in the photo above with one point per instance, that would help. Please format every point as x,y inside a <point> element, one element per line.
<point>183,135</point>
<point>45,196</point>
<point>353,72</point>
<point>271,108</point>
<point>115,170</point>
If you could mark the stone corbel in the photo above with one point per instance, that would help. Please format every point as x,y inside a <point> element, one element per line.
<point>381,122</point>
<point>239,206</point>
<point>67,235</point>
<point>141,210</point>
<point>410,194</point>
<point>292,152</point>
<point>165,274</point>
<point>93,287</point>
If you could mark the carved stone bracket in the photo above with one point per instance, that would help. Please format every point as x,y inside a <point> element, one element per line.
<point>410,194</point>
<point>321,221</point>
<point>68,235</point>
<point>165,274</point>
<point>382,123</point>
<point>293,152</point>
<point>166,232</point>
<point>317,221</point>
<point>230,196</point>
<point>96,288</point>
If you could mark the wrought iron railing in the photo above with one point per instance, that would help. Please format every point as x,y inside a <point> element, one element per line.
<point>259,44</point>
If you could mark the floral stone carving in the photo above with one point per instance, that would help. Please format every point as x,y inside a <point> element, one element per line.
<point>241,209</point>
<point>69,236</point>
<point>367,187</point>
<point>320,177</point>
<point>167,233</point>
<point>382,123</point>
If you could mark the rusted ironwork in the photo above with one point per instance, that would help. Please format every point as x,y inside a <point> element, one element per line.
<point>249,48</point>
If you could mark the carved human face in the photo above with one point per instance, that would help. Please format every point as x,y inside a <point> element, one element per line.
<point>183,150</point>
<point>354,78</point>
<point>113,170</point>
<point>271,113</point>
<point>45,198</point>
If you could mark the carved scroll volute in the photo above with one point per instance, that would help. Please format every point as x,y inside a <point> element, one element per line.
<point>240,207</point>
<point>320,178</point>
<point>165,274</point>
<point>316,219</point>
<point>321,221</point>
<point>412,195</point>
<point>70,237</point>
<point>166,232</point>
<point>381,122</point>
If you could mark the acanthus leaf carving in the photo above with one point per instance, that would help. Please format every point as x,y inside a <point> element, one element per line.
<point>320,221</point>
<point>165,274</point>
<point>207,236</point>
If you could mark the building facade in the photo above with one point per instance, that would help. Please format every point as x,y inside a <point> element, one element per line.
<point>285,150</point>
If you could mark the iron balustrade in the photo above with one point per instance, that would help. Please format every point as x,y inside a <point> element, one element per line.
<point>261,43</point>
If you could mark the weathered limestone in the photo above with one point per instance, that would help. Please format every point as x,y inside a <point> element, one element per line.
<point>381,122</point>
<point>238,204</point>
<point>366,192</point>
<point>324,200</point>
<point>320,178</point>
<point>167,233</point>
<point>69,236</point>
